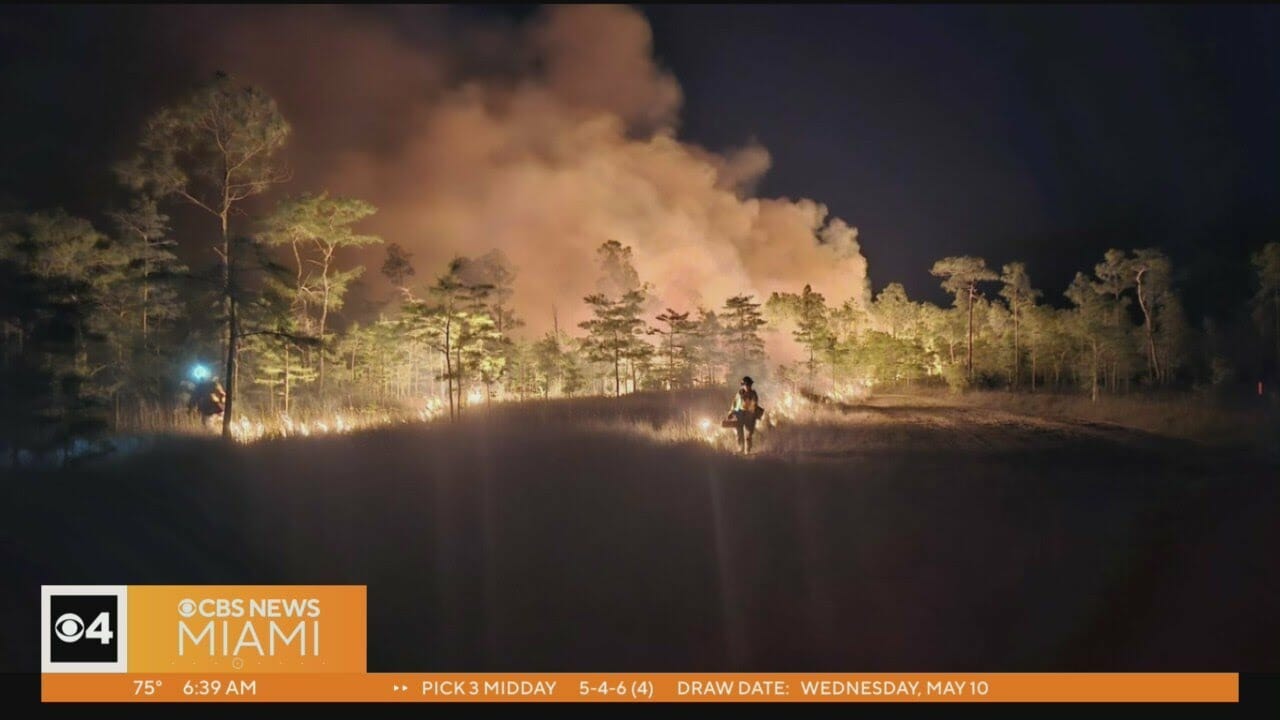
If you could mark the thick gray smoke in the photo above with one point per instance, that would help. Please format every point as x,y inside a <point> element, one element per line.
<point>542,140</point>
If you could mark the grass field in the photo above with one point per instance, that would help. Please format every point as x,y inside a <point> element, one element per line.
<point>910,532</point>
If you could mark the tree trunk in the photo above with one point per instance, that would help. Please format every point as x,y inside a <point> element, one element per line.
<point>1093,388</point>
<point>233,347</point>
<point>448,365</point>
<point>1275,296</point>
<point>233,325</point>
<point>1017,366</point>
<point>1033,368</point>
<point>1153,363</point>
<point>458,386</point>
<point>320,350</point>
<point>969,360</point>
<point>287,369</point>
<point>146,286</point>
<point>324,309</point>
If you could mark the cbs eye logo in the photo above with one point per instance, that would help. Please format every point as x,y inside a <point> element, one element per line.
<point>69,627</point>
<point>83,628</point>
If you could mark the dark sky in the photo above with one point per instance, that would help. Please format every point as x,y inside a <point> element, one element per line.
<point>1046,134</point>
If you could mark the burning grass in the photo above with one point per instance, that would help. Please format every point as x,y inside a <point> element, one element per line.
<point>800,425</point>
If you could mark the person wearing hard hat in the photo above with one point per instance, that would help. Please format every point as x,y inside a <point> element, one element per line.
<point>746,411</point>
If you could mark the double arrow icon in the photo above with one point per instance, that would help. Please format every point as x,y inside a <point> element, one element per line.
<point>399,688</point>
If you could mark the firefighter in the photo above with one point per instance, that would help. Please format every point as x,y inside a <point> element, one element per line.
<point>746,411</point>
<point>209,399</point>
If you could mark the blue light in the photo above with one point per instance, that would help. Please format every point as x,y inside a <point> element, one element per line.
<point>199,372</point>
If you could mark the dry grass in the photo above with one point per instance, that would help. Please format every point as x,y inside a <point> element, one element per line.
<point>795,427</point>
<point>904,532</point>
<point>980,422</point>
<point>1183,416</point>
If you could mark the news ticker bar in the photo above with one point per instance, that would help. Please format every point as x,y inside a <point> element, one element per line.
<point>643,687</point>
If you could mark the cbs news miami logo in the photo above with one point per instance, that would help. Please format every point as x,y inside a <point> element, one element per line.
<point>202,628</point>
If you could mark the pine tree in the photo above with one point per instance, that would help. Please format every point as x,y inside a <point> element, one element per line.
<point>1089,322</point>
<point>276,358</point>
<point>675,332</point>
<point>1151,281</point>
<point>398,267</point>
<point>549,361</point>
<point>455,320</point>
<point>742,323</point>
<point>155,265</point>
<point>707,345</point>
<point>215,150</point>
<point>808,310</point>
<point>58,274</point>
<point>316,227</point>
<point>894,312</point>
<point>494,344</point>
<point>961,276</point>
<point>1017,291</point>
<point>1266,265</point>
<point>614,332</point>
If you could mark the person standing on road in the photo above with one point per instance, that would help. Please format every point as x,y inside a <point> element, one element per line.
<point>746,410</point>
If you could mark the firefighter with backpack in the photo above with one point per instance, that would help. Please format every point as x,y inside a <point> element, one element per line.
<point>746,411</point>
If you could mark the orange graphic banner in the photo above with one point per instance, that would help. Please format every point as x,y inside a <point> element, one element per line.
<point>306,643</point>
<point>642,687</point>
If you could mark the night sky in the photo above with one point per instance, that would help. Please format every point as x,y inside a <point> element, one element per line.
<point>1040,134</point>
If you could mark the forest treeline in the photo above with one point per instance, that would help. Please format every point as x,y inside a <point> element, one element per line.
<point>101,324</point>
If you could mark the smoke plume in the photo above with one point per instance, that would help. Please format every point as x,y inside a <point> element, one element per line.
<point>542,140</point>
